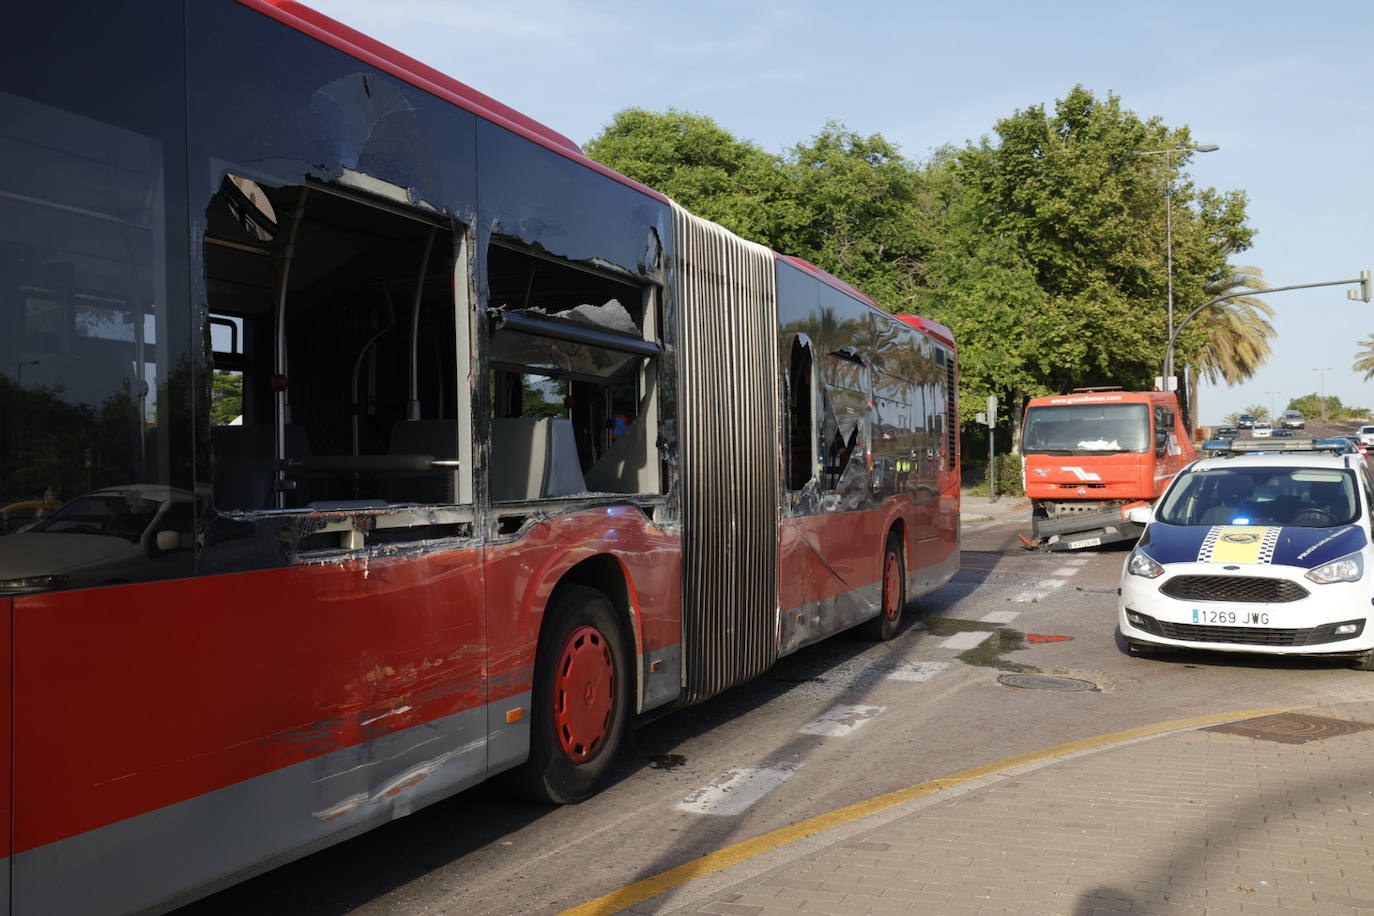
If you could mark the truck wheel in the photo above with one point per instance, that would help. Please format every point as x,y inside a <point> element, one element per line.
<point>580,705</point>
<point>884,626</point>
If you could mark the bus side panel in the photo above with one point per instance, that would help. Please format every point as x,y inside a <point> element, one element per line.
<point>831,570</point>
<point>6,746</point>
<point>522,575</point>
<point>254,716</point>
<point>937,461</point>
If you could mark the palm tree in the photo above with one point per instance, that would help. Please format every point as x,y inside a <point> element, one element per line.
<point>1364,358</point>
<point>1238,332</point>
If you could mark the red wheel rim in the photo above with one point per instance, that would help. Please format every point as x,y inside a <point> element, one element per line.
<point>583,694</point>
<point>892,585</point>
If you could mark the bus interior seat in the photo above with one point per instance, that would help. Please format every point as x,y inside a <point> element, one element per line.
<point>534,458</point>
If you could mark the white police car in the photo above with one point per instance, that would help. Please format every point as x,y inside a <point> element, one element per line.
<point>1262,547</point>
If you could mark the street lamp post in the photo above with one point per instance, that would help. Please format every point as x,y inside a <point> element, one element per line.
<point>1321,374</point>
<point>1169,233</point>
<point>1273,410</point>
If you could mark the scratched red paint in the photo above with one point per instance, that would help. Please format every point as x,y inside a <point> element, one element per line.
<point>235,676</point>
<point>1033,637</point>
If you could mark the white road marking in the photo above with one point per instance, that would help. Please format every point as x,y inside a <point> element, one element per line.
<point>734,792</point>
<point>1077,561</point>
<point>1000,617</point>
<point>838,721</point>
<point>1066,570</point>
<point>971,639</point>
<point>917,672</point>
<point>1041,590</point>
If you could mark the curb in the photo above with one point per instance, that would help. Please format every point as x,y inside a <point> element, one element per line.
<point>922,794</point>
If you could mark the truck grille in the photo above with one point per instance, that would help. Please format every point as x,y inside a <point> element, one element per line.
<point>1254,589</point>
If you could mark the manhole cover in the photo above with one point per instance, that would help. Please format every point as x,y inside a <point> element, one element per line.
<point>1290,728</point>
<point>1045,682</point>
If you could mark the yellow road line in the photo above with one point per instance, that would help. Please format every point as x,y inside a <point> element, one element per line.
<point>721,859</point>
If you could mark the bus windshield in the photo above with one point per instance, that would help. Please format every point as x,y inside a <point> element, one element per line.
<point>1086,429</point>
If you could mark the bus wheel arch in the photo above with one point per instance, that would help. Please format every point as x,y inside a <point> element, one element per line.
<point>891,584</point>
<point>582,697</point>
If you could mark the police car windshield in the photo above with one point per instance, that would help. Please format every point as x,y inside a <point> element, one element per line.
<point>1294,497</point>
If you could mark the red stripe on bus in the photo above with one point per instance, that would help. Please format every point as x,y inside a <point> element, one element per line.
<point>135,697</point>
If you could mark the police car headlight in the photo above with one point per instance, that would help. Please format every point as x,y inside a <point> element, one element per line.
<point>1347,569</point>
<point>1142,564</point>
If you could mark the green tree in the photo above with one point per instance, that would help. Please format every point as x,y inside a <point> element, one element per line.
<point>1042,248</point>
<point>1085,212</point>
<point>1311,406</point>
<point>703,167</point>
<point>1237,333</point>
<point>857,209</point>
<point>226,396</point>
<point>1364,358</point>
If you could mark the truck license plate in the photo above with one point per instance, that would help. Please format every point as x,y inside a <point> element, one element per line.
<point>1086,542</point>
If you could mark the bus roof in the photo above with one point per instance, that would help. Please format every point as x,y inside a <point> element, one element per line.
<point>384,57</point>
<point>933,328</point>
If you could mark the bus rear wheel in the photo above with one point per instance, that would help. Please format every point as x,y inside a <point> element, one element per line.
<point>580,705</point>
<point>889,618</point>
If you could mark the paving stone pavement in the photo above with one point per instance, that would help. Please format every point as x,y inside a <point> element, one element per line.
<point>1197,821</point>
<point>977,509</point>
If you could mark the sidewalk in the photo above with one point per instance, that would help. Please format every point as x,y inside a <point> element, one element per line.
<point>1267,814</point>
<point>976,509</point>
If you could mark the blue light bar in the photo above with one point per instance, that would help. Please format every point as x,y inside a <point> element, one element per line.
<point>1296,444</point>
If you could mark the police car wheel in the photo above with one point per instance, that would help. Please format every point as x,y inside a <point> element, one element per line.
<point>1363,662</point>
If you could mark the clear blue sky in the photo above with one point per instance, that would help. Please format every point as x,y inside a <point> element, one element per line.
<point>1286,90</point>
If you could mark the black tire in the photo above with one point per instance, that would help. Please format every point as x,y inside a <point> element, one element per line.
<point>884,626</point>
<point>1363,662</point>
<point>580,705</point>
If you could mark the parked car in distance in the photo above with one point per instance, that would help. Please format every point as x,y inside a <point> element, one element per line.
<point>1293,419</point>
<point>1261,430</point>
<point>1366,435</point>
<point>1226,432</point>
<point>1283,433</point>
<point>1246,421</point>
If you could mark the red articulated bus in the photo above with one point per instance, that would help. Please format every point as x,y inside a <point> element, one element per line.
<point>1092,455</point>
<point>385,443</point>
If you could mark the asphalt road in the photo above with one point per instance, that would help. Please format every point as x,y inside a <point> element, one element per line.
<point>831,725</point>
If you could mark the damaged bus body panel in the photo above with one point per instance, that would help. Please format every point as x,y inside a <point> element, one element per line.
<point>362,420</point>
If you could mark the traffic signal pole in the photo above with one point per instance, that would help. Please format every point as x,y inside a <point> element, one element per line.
<point>1364,294</point>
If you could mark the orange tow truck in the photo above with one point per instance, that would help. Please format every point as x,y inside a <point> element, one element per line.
<point>1090,456</point>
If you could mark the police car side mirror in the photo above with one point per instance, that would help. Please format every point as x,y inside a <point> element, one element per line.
<point>1141,515</point>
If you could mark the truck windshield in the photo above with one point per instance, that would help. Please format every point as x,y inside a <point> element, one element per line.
<point>1086,429</point>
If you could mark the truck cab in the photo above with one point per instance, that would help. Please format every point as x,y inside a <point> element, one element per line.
<point>1091,455</point>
